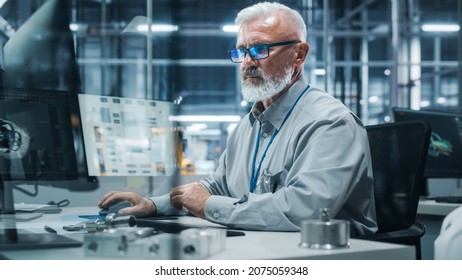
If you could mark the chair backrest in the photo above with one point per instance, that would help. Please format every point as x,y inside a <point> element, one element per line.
<point>399,152</point>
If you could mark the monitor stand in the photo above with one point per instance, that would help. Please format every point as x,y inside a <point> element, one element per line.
<point>12,238</point>
<point>424,192</point>
<point>7,212</point>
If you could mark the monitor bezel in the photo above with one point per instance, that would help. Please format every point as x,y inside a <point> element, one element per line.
<point>433,173</point>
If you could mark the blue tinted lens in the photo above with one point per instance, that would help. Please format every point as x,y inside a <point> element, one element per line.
<point>237,54</point>
<point>259,52</point>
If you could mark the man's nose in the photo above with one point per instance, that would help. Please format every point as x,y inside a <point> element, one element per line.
<point>249,60</point>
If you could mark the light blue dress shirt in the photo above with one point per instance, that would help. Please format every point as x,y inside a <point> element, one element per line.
<point>319,158</point>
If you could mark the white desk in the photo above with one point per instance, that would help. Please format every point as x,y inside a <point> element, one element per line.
<point>431,207</point>
<point>254,245</point>
<point>431,214</point>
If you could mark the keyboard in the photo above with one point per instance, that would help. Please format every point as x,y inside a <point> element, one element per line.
<point>447,199</point>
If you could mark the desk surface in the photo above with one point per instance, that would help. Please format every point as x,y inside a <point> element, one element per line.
<point>432,214</point>
<point>431,207</point>
<point>254,245</point>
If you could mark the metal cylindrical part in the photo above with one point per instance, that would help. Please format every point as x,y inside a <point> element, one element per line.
<point>114,221</point>
<point>325,234</point>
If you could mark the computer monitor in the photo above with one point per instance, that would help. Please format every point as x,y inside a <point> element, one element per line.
<point>36,143</point>
<point>36,136</point>
<point>127,136</point>
<point>445,152</point>
<point>40,54</point>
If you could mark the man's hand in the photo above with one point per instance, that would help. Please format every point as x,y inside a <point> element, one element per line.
<point>140,206</point>
<point>190,196</point>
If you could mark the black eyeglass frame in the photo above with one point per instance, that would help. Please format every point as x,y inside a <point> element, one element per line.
<point>253,49</point>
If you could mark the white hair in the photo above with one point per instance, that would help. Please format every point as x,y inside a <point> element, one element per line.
<point>267,8</point>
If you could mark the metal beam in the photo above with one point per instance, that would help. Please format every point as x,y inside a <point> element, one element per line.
<point>353,12</point>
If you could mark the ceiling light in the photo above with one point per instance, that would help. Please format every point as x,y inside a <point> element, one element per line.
<point>196,127</point>
<point>205,118</point>
<point>373,99</point>
<point>74,26</point>
<point>441,100</point>
<point>424,103</point>
<point>440,27</point>
<point>157,28</point>
<point>319,72</point>
<point>209,132</point>
<point>140,25</point>
<point>230,28</point>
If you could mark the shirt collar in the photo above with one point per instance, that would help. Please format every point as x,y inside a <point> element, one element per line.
<point>276,112</point>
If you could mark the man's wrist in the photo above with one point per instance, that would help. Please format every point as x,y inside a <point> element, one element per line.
<point>154,207</point>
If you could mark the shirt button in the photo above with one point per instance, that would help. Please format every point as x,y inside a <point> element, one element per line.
<point>265,135</point>
<point>216,215</point>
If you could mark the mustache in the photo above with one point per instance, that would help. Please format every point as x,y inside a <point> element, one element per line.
<point>249,71</point>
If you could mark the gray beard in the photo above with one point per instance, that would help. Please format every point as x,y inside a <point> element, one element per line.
<point>269,88</point>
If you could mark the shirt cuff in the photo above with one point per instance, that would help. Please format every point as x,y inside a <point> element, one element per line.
<point>163,206</point>
<point>219,208</point>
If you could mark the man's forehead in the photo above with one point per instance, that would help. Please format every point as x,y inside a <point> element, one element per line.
<point>261,22</point>
<point>258,29</point>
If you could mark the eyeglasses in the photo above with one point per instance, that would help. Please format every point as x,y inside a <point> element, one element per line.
<point>256,52</point>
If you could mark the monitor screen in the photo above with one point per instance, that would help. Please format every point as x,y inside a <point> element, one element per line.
<point>445,151</point>
<point>40,54</point>
<point>36,136</point>
<point>127,136</point>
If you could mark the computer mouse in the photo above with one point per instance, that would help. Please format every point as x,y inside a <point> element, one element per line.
<point>103,212</point>
<point>114,208</point>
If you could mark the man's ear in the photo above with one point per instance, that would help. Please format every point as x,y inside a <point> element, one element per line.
<point>301,53</point>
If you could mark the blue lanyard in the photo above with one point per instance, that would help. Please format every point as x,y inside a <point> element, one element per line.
<point>254,175</point>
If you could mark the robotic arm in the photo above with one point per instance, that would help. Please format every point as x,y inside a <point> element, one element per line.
<point>14,142</point>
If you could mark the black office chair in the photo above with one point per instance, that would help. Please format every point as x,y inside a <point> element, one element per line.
<point>399,152</point>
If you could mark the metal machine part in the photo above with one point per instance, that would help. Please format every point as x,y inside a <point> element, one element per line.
<point>325,233</point>
<point>146,243</point>
<point>118,237</point>
<point>111,221</point>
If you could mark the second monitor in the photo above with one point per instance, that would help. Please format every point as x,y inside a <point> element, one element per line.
<point>445,152</point>
<point>127,136</point>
